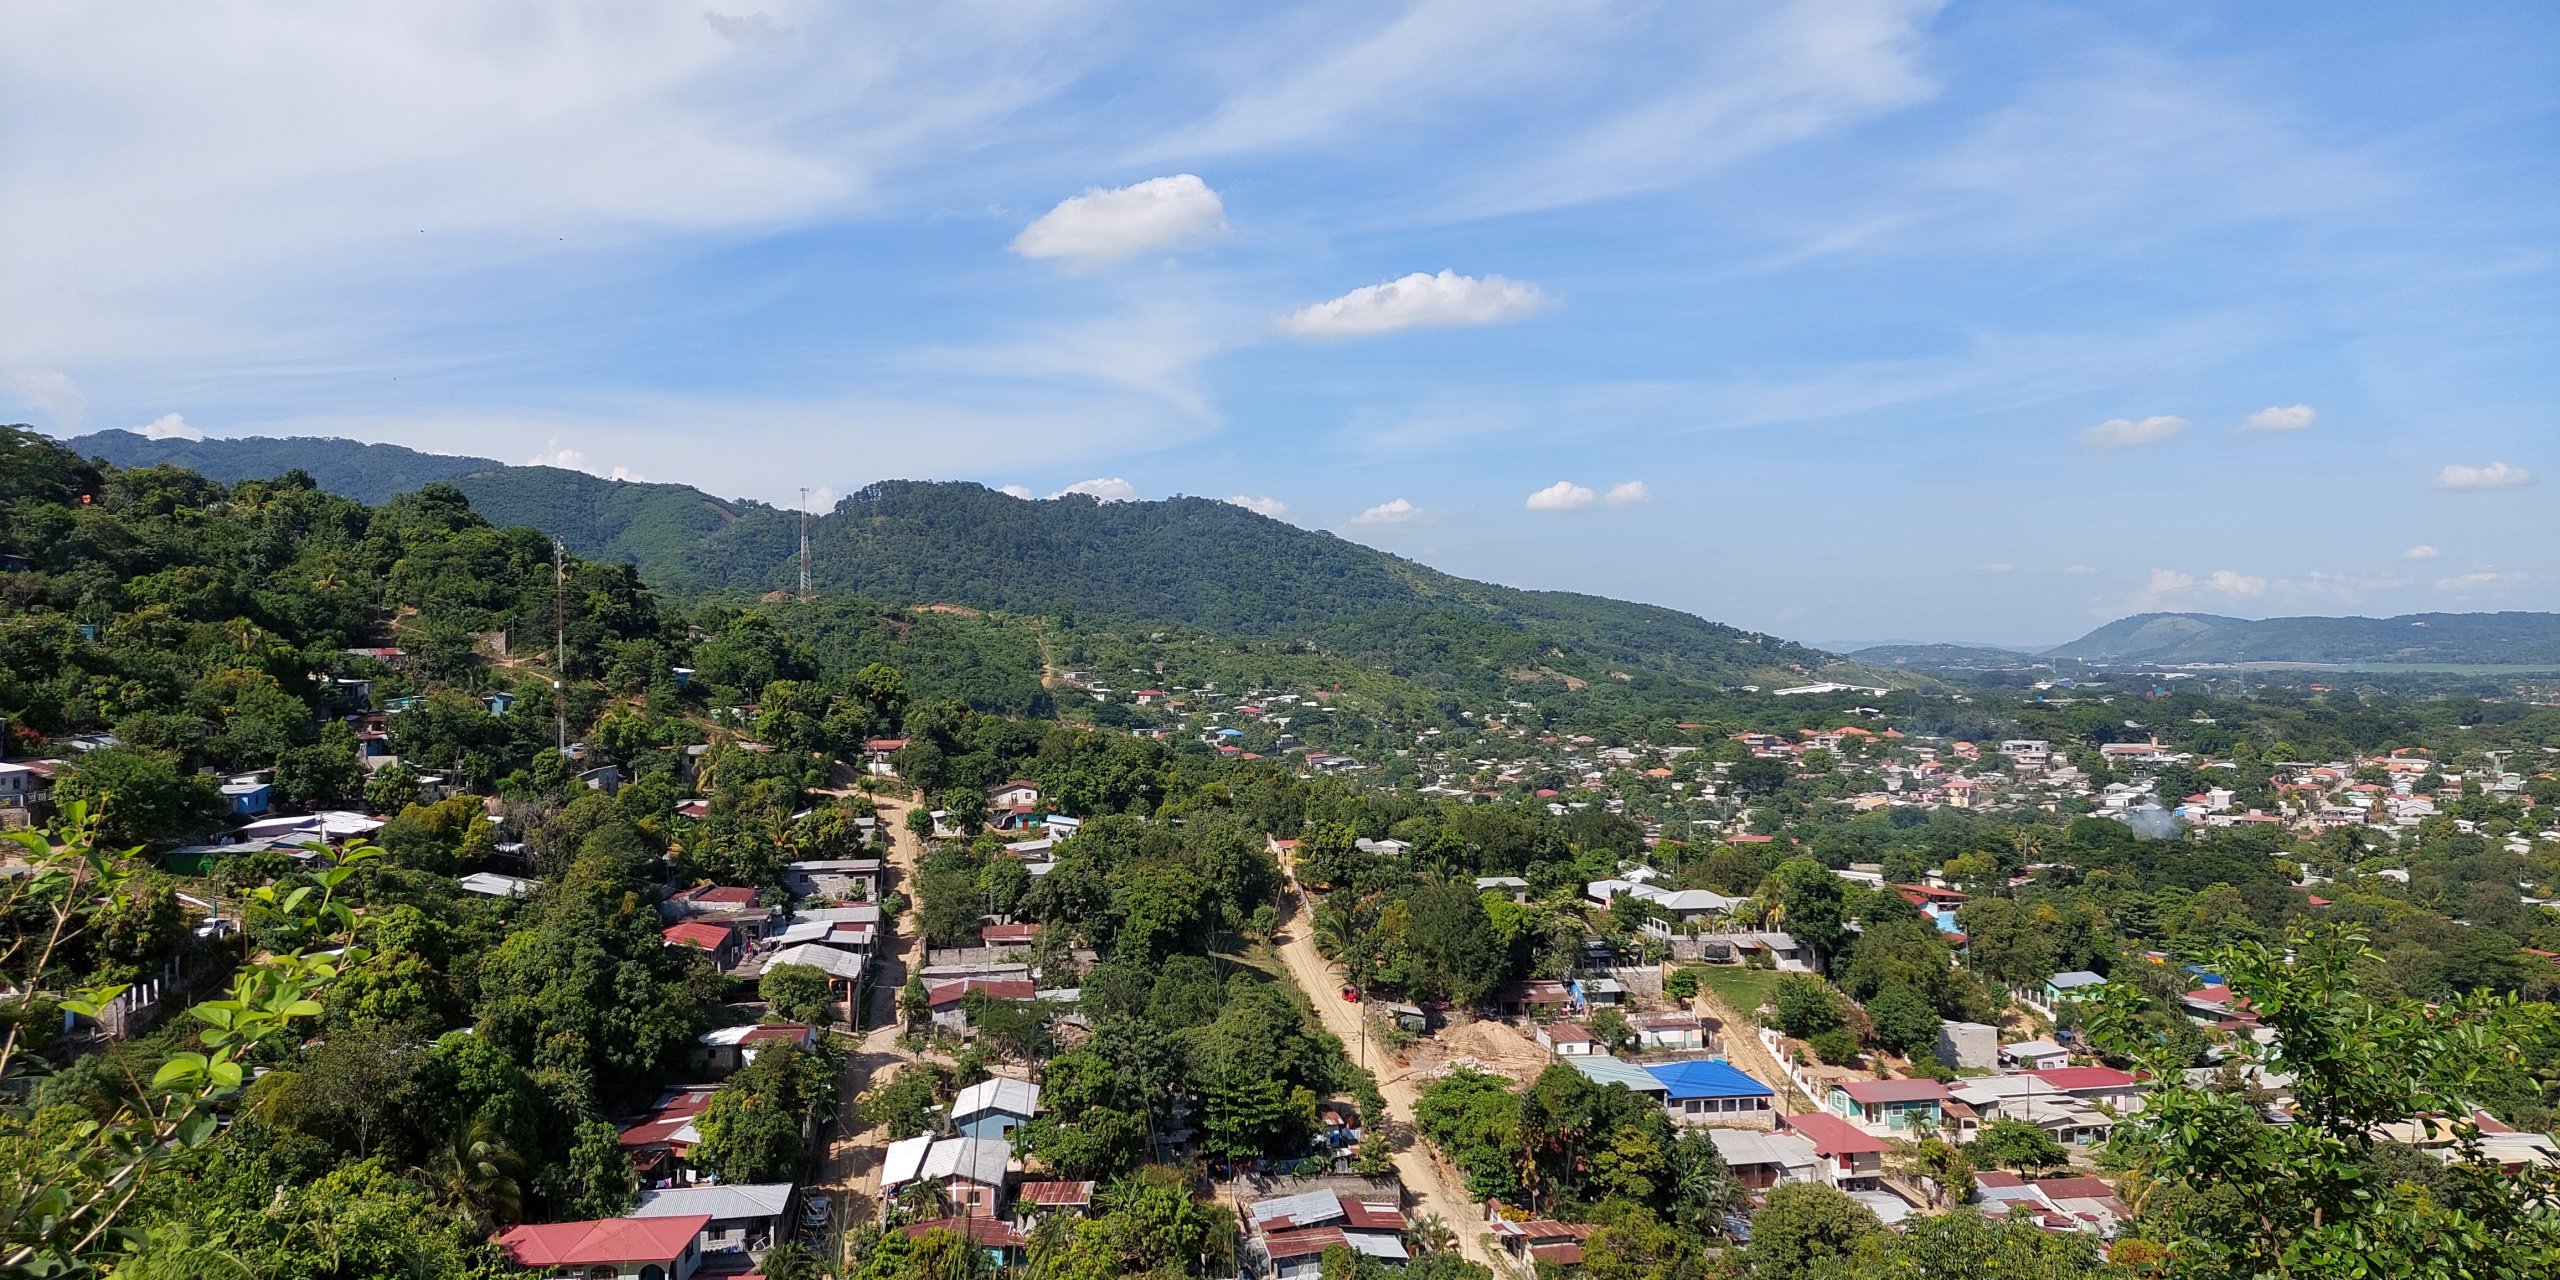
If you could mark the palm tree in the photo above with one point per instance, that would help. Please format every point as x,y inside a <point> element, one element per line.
<point>1431,1235</point>
<point>475,1176</point>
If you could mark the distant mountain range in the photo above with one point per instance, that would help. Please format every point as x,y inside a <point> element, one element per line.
<point>1943,657</point>
<point>2484,638</point>
<point>2501,639</point>
<point>1196,561</point>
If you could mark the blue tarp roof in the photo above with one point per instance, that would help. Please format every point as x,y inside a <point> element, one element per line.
<point>1708,1079</point>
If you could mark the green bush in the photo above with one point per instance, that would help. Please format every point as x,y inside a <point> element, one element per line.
<point>1838,1046</point>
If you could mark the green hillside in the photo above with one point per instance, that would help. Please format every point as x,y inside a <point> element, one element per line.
<point>1942,657</point>
<point>2485,638</point>
<point>351,469</point>
<point>1192,561</point>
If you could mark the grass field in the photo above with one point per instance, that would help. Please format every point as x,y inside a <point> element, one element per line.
<point>1739,988</point>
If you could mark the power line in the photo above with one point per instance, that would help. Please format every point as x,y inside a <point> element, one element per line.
<point>560,641</point>
<point>804,542</point>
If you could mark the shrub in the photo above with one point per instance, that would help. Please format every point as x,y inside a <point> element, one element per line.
<point>1837,1046</point>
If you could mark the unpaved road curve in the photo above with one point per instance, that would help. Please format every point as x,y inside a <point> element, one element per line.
<point>1437,1188</point>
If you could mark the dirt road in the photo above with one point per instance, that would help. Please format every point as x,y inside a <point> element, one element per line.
<point>1437,1188</point>
<point>1742,1048</point>
<point>850,1172</point>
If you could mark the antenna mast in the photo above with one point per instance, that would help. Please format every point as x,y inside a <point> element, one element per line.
<point>560,641</point>
<point>804,542</point>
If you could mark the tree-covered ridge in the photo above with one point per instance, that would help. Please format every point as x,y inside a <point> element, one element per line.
<point>365,472</point>
<point>1192,561</point>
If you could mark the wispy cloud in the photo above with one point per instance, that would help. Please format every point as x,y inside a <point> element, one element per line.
<point>2290,417</point>
<point>1392,511</point>
<point>2120,433</point>
<point>1022,491</point>
<point>1628,494</point>
<point>50,392</point>
<point>2166,588</point>
<point>2422,551</point>
<point>1109,224</point>
<point>1417,301</point>
<point>2478,580</point>
<point>1264,505</point>
<point>2497,475</point>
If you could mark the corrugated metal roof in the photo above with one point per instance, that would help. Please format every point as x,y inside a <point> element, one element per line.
<point>1604,1069</point>
<point>722,1200</point>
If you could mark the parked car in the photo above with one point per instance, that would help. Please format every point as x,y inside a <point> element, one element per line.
<point>1351,995</point>
<point>815,1211</point>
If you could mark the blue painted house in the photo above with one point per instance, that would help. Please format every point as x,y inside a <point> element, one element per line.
<point>994,1108</point>
<point>1713,1091</point>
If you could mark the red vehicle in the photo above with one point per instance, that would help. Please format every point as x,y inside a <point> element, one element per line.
<point>1351,994</point>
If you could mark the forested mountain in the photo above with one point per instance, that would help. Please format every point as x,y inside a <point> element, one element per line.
<point>1194,561</point>
<point>2506,638</point>
<point>364,472</point>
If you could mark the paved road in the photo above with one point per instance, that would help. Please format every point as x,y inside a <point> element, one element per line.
<point>1437,1188</point>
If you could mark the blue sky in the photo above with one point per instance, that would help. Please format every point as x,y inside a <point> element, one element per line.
<point>1846,321</point>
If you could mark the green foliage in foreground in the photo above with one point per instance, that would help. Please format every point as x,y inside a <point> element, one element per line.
<point>2230,1195</point>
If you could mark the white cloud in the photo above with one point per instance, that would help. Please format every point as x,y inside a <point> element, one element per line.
<point>1563,495</point>
<point>2167,582</point>
<point>1628,494</point>
<point>338,152</point>
<point>627,475</point>
<point>1392,511</point>
<point>2497,475</point>
<point>2167,588</point>
<point>2225,582</point>
<point>1022,491</point>
<point>2079,570</point>
<point>2291,417</point>
<point>2002,566</point>
<point>2422,551</point>
<point>169,426</point>
<point>2116,433</point>
<point>1108,224</point>
<point>2477,580</point>
<point>52,392</point>
<point>1264,505</point>
<point>557,455</point>
<point>1107,488</point>
<point>1416,301</point>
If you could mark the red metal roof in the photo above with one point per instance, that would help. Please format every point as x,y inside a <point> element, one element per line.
<point>1833,1136</point>
<point>1372,1216</point>
<point>578,1244</point>
<point>734,895</point>
<point>995,989</point>
<point>1541,1229</point>
<point>1562,1255</point>
<point>984,1232</point>
<point>2079,1188</point>
<point>2083,1077</point>
<point>699,933</point>
<point>1892,1090</point>
<point>1305,1243</point>
<point>1054,1194</point>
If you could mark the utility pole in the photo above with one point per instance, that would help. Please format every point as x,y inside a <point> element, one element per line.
<point>804,542</point>
<point>560,641</point>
